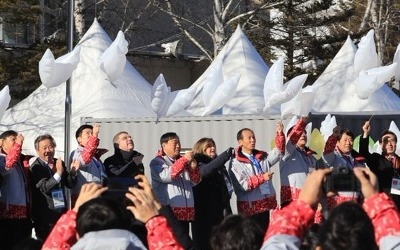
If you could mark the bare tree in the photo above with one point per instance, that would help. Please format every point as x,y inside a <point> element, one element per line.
<point>212,19</point>
<point>79,17</point>
<point>383,16</point>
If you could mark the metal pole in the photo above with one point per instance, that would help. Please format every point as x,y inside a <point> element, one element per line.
<point>67,121</point>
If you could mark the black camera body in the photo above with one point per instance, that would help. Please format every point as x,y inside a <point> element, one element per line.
<point>118,186</point>
<point>342,179</point>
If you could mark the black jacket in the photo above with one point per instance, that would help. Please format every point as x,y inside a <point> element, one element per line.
<point>382,168</point>
<point>42,184</point>
<point>211,197</point>
<point>122,164</point>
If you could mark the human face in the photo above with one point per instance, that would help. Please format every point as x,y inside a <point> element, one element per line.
<point>45,150</point>
<point>345,144</point>
<point>125,142</point>
<point>172,148</point>
<point>248,141</point>
<point>302,140</point>
<point>388,144</point>
<point>84,138</point>
<point>8,143</point>
<point>210,150</point>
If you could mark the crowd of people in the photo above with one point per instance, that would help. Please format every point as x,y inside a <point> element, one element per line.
<point>344,199</point>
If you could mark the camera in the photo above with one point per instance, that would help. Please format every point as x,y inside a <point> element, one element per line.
<point>342,179</point>
<point>118,186</point>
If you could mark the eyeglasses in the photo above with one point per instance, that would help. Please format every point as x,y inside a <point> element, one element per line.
<point>387,140</point>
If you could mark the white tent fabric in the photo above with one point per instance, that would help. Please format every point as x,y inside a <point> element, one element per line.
<point>92,94</point>
<point>238,57</point>
<point>336,89</point>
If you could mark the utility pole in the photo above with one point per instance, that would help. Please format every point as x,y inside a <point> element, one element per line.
<point>68,99</point>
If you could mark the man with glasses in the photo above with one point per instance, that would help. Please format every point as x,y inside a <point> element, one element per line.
<point>385,165</point>
<point>48,177</point>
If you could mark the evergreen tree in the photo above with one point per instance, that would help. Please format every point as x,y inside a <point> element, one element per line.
<point>20,47</point>
<point>300,32</point>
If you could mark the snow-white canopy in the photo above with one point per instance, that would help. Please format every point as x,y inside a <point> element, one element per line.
<point>336,88</point>
<point>237,74</point>
<point>237,57</point>
<point>92,95</point>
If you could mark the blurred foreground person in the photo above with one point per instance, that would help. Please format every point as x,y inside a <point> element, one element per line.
<point>98,222</point>
<point>349,226</point>
<point>237,232</point>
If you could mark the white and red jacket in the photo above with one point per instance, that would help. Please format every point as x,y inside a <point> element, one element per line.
<point>333,157</point>
<point>289,224</point>
<point>295,165</point>
<point>246,181</point>
<point>14,191</point>
<point>172,183</point>
<point>63,236</point>
<point>91,169</point>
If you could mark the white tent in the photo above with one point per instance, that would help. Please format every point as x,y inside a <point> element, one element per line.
<point>237,56</point>
<point>335,88</point>
<point>336,91</point>
<point>93,95</point>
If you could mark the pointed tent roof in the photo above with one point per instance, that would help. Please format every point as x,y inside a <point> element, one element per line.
<point>92,94</point>
<point>336,91</point>
<point>237,56</point>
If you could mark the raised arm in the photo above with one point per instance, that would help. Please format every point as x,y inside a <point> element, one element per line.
<point>207,168</point>
<point>291,222</point>
<point>145,209</point>
<point>161,172</point>
<point>64,233</point>
<point>364,140</point>
<point>380,209</point>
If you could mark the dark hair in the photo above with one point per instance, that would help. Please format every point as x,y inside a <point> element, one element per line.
<point>168,136</point>
<point>310,239</point>
<point>347,227</point>
<point>239,134</point>
<point>8,133</point>
<point>42,138</point>
<point>237,232</point>
<point>346,132</point>
<point>388,132</point>
<point>102,213</point>
<point>79,131</point>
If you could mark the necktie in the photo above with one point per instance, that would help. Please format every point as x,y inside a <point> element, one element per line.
<point>256,164</point>
<point>392,159</point>
<point>52,167</point>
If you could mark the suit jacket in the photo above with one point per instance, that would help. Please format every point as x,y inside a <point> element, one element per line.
<point>382,168</point>
<point>42,184</point>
